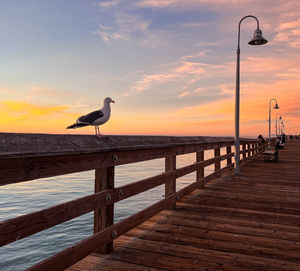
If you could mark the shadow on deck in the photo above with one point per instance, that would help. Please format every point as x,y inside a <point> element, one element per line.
<point>247,222</point>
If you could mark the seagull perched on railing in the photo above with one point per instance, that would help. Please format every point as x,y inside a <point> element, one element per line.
<point>94,118</point>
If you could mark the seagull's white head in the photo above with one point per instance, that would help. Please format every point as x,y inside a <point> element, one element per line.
<point>108,100</point>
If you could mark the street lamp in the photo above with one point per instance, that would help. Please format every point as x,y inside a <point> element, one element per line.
<point>275,107</point>
<point>280,118</point>
<point>256,40</point>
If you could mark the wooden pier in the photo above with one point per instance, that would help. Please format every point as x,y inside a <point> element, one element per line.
<point>247,222</point>
<point>218,222</point>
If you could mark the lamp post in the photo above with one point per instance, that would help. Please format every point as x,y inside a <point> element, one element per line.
<point>281,123</point>
<point>280,118</point>
<point>256,40</point>
<point>275,107</point>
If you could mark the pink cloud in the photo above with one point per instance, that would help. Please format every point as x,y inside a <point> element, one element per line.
<point>185,93</point>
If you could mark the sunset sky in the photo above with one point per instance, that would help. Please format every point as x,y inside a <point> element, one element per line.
<point>168,64</point>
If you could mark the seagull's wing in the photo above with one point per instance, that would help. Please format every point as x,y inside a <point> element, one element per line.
<point>91,117</point>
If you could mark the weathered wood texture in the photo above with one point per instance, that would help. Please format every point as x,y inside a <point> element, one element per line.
<point>32,145</point>
<point>25,157</point>
<point>170,186</point>
<point>83,153</point>
<point>104,216</point>
<point>237,223</point>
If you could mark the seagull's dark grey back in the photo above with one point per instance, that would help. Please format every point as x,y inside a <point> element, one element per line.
<point>91,117</point>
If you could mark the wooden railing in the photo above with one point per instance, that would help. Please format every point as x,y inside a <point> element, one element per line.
<point>28,157</point>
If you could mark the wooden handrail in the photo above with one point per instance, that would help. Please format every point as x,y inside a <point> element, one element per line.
<point>16,168</point>
<point>25,225</point>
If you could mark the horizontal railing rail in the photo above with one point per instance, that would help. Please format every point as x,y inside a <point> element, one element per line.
<point>15,168</point>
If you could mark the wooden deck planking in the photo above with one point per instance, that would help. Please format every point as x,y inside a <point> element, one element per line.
<point>247,222</point>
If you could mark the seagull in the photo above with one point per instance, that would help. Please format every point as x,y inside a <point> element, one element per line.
<point>94,118</point>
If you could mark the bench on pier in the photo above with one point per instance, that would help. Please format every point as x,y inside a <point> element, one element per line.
<point>271,154</point>
<point>262,139</point>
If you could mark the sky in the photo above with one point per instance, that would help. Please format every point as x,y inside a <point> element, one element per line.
<point>170,65</point>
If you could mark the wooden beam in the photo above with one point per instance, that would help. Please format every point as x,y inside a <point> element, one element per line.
<point>170,186</point>
<point>25,169</point>
<point>17,170</point>
<point>217,153</point>
<point>17,228</point>
<point>244,150</point>
<point>104,216</point>
<point>23,145</point>
<point>200,171</point>
<point>228,151</point>
<point>17,167</point>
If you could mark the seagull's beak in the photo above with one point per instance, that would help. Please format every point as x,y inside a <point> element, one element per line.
<point>112,101</point>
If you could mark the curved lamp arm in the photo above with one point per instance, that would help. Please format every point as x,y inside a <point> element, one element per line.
<point>271,103</point>
<point>239,29</point>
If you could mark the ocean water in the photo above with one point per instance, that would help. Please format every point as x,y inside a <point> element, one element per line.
<point>23,198</point>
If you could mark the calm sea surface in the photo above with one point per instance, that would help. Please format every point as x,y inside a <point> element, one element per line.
<point>23,198</point>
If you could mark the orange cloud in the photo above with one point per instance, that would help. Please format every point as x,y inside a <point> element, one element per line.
<point>18,116</point>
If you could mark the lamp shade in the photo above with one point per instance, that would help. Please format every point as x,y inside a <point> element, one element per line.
<point>257,39</point>
<point>276,106</point>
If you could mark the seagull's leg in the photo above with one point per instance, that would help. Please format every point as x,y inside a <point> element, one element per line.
<point>96,130</point>
<point>99,132</point>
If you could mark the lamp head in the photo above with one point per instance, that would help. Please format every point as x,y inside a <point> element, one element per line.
<point>280,117</point>
<point>276,106</point>
<point>257,39</point>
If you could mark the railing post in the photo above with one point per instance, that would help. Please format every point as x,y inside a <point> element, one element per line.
<point>200,171</point>
<point>244,150</point>
<point>249,149</point>
<point>217,162</point>
<point>170,187</point>
<point>229,159</point>
<point>104,216</point>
